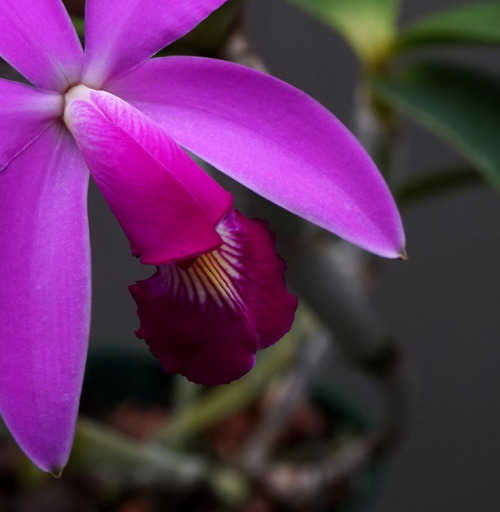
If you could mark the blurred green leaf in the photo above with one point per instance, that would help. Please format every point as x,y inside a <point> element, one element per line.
<point>79,24</point>
<point>462,24</point>
<point>367,25</point>
<point>460,105</point>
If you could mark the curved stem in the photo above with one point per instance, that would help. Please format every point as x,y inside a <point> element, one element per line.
<point>221,402</point>
<point>431,183</point>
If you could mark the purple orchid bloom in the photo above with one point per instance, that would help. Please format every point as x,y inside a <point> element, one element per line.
<point>218,294</point>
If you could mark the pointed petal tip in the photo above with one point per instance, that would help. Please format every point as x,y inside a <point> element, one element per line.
<point>403,255</point>
<point>334,185</point>
<point>45,302</point>
<point>56,473</point>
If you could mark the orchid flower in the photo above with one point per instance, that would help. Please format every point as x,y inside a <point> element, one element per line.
<point>218,294</point>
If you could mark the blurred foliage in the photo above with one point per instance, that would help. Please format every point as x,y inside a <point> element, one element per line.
<point>369,26</point>
<point>468,23</point>
<point>456,103</point>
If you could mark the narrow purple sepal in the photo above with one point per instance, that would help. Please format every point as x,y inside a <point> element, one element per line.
<point>120,35</point>
<point>45,299</point>
<point>274,139</point>
<point>25,113</point>
<point>38,39</point>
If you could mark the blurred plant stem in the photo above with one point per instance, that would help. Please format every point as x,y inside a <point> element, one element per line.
<point>339,464</point>
<point>102,450</point>
<point>329,276</point>
<point>376,127</point>
<point>124,462</point>
<point>221,402</point>
<point>435,182</point>
<point>257,453</point>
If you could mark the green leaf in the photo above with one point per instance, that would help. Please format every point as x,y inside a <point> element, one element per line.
<point>79,24</point>
<point>460,105</point>
<point>369,26</point>
<point>463,24</point>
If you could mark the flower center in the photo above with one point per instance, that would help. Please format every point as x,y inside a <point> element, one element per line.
<point>75,93</point>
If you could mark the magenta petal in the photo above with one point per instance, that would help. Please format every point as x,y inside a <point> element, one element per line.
<point>38,39</point>
<point>120,35</point>
<point>25,113</point>
<point>45,300</point>
<point>208,321</point>
<point>167,205</point>
<point>272,138</point>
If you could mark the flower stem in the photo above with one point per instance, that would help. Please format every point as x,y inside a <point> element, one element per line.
<point>101,451</point>
<point>434,182</point>
<point>221,402</point>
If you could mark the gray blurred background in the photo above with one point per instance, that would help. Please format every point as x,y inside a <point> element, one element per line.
<point>442,305</point>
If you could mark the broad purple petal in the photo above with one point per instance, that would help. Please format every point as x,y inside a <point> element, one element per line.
<point>274,139</point>
<point>167,205</point>
<point>45,300</point>
<point>25,113</point>
<point>207,321</point>
<point>121,35</point>
<point>38,39</point>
